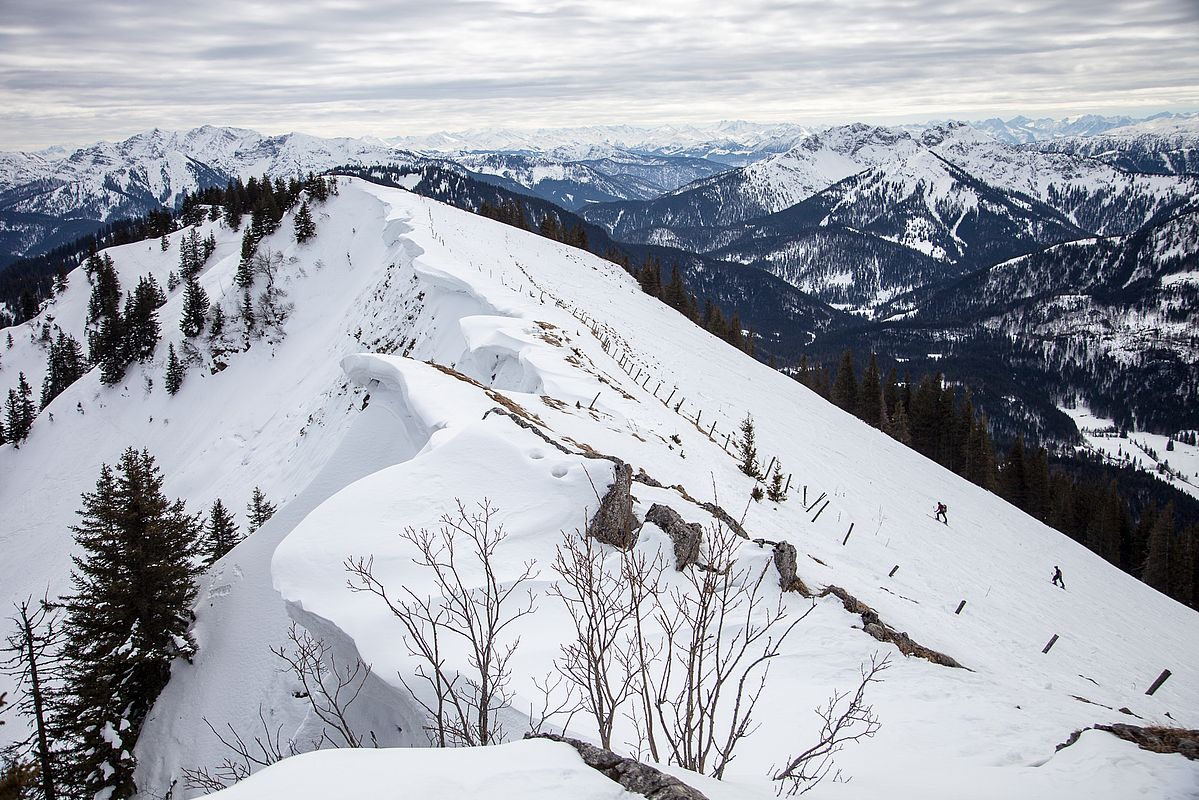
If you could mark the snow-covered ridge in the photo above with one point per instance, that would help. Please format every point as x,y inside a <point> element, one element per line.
<point>413,304</point>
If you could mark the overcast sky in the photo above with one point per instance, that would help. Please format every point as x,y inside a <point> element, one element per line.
<point>76,72</point>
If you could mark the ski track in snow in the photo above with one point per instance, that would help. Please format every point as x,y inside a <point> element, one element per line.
<point>392,273</point>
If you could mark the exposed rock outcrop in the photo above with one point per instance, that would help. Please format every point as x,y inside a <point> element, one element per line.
<point>614,522</point>
<point>685,535</point>
<point>1156,739</point>
<point>885,633</point>
<point>631,774</point>
<point>785,562</point>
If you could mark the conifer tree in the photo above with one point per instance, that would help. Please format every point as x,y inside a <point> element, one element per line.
<point>164,243</point>
<point>259,510</point>
<point>247,314</point>
<point>749,448</point>
<point>924,408</point>
<point>650,277</point>
<point>217,326</point>
<point>1107,526</point>
<point>775,491</point>
<point>844,391</point>
<point>1012,476</point>
<point>19,411</point>
<point>674,294</point>
<point>1156,571</point>
<point>735,337</point>
<point>139,329</point>
<point>129,615</point>
<point>899,428</point>
<point>245,267</point>
<point>220,535</point>
<point>305,227</point>
<point>870,400</point>
<point>175,371</point>
<point>195,306</point>
<point>107,349</point>
<point>891,391</point>
<point>981,459</point>
<point>64,366</point>
<point>106,288</point>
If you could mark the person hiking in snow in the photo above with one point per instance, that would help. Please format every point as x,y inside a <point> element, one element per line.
<point>1058,580</point>
<point>941,514</point>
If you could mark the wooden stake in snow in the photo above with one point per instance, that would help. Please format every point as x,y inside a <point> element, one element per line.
<point>1158,683</point>
<point>592,406</point>
<point>846,539</point>
<point>697,416</point>
<point>821,511</point>
<point>787,488</point>
<point>770,468</point>
<point>712,429</point>
<point>672,391</point>
<point>1050,644</point>
<point>727,436</point>
<point>894,569</point>
<point>961,605</point>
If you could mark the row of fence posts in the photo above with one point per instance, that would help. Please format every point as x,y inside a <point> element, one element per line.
<point>627,358</point>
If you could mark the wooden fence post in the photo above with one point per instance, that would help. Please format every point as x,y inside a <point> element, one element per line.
<point>846,539</point>
<point>961,605</point>
<point>894,569</point>
<point>1158,683</point>
<point>1051,643</point>
<point>592,406</point>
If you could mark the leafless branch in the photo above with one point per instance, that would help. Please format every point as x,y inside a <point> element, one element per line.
<point>465,704</point>
<point>845,718</point>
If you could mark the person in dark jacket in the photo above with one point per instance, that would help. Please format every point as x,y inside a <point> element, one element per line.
<point>1058,580</point>
<point>941,514</point>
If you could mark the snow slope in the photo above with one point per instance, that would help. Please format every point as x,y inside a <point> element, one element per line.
<point>393,281</point>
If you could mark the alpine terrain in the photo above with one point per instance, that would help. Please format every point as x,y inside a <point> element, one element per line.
<point>517,493</point>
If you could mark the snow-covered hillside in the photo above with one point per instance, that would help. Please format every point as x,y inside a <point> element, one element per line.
<point>1168,146</point>
<point>816,161</point>
<point>47,202</point>
<point>1093,195</point>
<point>432,355</point>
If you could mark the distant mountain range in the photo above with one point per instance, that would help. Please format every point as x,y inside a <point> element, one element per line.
<point>918,230</point>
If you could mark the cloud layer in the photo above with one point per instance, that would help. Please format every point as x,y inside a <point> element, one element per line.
<point>77,72</point>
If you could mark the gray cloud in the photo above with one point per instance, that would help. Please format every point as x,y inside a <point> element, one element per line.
<point>74,72</point>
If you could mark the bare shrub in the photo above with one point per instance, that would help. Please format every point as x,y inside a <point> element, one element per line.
<point>465,705</point>
<point>330,689</point>
<point>599,661</point>
<point>249,755</point>
<point>720,633</point>
<point>844,718</point>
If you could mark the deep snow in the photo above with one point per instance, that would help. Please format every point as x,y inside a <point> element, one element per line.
<point>393,280</point>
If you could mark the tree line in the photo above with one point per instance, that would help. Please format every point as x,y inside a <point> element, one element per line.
<point>1087,504</point>
<point>121,334</point>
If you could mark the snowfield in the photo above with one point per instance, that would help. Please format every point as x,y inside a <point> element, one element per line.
<point>413,323</point>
